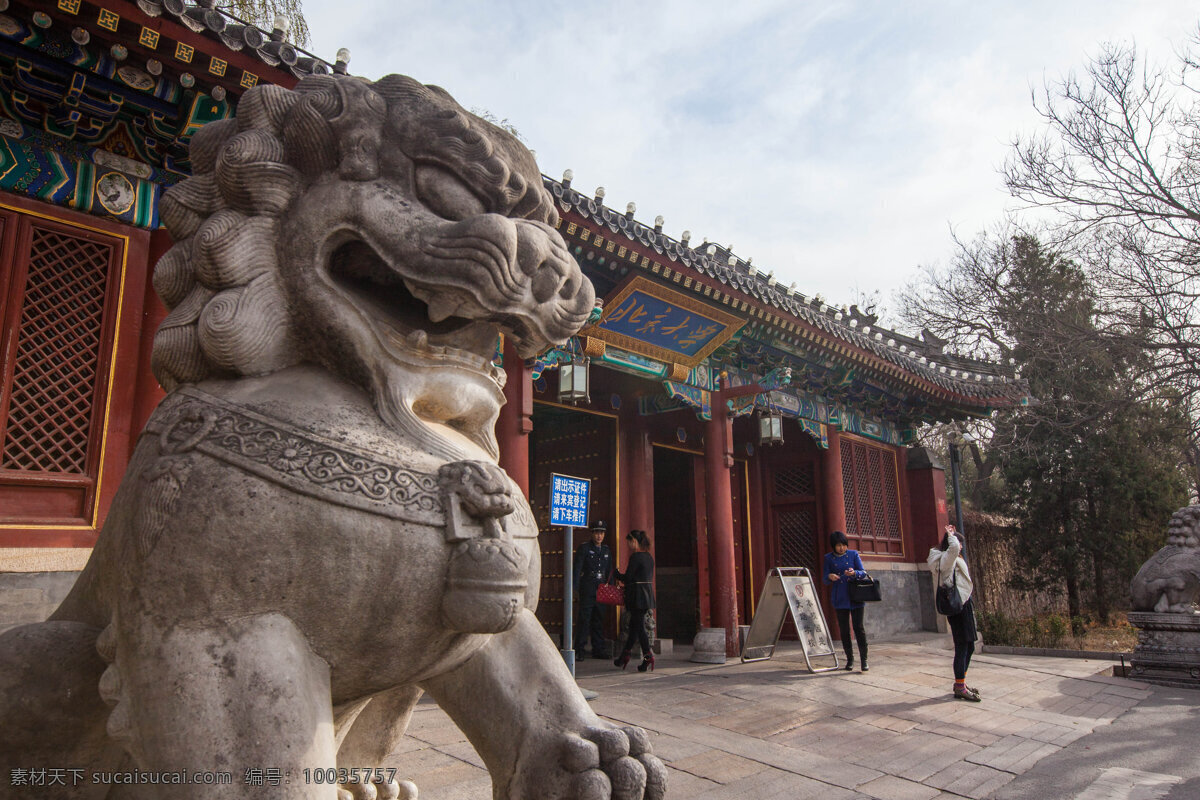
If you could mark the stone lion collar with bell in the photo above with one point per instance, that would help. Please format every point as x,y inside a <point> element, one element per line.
<point>336,470</point>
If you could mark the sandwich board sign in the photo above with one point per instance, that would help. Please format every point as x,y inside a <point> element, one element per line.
<point>789,590</point>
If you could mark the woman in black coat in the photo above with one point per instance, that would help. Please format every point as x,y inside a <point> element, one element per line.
<point>639,598</point>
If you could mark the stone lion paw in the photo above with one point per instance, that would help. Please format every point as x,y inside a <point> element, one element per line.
<point>604,763</point>
<point>378,790</point>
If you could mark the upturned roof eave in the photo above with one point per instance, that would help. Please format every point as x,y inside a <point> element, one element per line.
<point>813,322</point>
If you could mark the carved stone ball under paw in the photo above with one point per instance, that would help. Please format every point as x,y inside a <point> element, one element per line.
<point>613,762</point>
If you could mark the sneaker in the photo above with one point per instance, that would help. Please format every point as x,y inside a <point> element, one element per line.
<point>849,664</point>
<point>965,693</point>
<point>864,667</point>
<point>976,691</point>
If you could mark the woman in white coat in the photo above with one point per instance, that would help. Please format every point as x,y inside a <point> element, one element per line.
<point>948,566</point>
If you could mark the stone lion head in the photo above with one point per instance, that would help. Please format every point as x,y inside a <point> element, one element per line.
<point>376,230</point>
<point>1184,528</point>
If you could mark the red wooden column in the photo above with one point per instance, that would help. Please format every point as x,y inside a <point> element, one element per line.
<point>149,393</point>
<point>516,419</point>
<point>640,482</point>
<point>927,500</point>
<point>718,458</point>
<point>833,496</point>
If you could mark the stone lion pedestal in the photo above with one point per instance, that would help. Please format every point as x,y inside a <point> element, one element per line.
<point>1168,648</point>
<point>1163,595</point>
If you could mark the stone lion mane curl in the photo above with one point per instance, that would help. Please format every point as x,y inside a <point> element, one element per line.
<point>227,314</point>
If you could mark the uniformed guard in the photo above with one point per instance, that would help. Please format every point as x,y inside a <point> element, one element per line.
<point>593,566</point>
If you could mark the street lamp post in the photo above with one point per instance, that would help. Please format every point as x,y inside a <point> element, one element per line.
<point>956,439</point>
<point>954,462</point>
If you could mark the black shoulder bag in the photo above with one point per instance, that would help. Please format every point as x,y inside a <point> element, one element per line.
<point>949,602</point>
<point>864,590</point>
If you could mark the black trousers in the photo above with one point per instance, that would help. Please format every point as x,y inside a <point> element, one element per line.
<point>962,658</point>
<point>962,628</point>
<point>591,621</point>
<point>844,616</point>
<point>637,631</point>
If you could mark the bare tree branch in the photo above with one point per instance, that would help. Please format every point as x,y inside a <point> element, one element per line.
<point>1118,162</point>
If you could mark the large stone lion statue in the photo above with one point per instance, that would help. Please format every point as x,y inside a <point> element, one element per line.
<point>1169,581</point>
<point>313,529</point>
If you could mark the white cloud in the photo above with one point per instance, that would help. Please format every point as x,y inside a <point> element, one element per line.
<point>836,143</point>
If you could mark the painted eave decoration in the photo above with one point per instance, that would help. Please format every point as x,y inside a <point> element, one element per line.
<point>658,322</point>
<point>948,386</point>
<point>99,98</point>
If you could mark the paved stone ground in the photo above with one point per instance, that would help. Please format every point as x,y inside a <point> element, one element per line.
<point>1047,728</point>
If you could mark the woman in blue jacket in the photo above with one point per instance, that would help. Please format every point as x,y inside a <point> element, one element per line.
<point>841,566</point>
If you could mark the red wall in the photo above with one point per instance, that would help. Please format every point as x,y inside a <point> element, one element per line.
<point>927,505</point>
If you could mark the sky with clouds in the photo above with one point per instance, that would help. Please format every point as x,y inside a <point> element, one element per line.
<point>837,144</point>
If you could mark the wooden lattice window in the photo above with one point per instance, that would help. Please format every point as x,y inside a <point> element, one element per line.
<point>870,484</point>
<point>797,537</point>
<point>795,480</point>
<point>58,316</point>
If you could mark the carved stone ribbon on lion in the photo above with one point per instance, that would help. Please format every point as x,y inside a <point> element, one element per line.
<point>313,529</point>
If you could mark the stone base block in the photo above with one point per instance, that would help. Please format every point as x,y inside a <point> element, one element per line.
<point>709,646</point>
<point>31,596</point>
<point>1168,649</point>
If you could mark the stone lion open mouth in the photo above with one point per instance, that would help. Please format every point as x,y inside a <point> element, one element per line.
<point>404,321</point>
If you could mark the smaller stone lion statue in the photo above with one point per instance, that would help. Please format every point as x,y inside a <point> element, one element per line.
<point>1169,582</point>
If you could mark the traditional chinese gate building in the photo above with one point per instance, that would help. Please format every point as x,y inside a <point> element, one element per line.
<point>695,352</point>
<point>97,103</point>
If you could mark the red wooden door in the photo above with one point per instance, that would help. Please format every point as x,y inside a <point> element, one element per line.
<point>791,484</point>
<point>576,443</point>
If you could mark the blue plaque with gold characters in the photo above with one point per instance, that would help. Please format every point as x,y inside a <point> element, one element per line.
<point>664,324</point>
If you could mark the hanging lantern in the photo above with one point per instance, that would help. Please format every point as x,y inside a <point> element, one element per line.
<point>770,427</point>
<point>573,380</point>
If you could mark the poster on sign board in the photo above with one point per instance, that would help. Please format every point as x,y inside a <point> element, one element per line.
<point>790,590</point>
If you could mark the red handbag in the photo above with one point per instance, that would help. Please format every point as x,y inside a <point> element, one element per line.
<point>609,594</point>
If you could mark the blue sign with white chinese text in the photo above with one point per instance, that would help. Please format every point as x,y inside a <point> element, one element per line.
<point>569,500</point>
